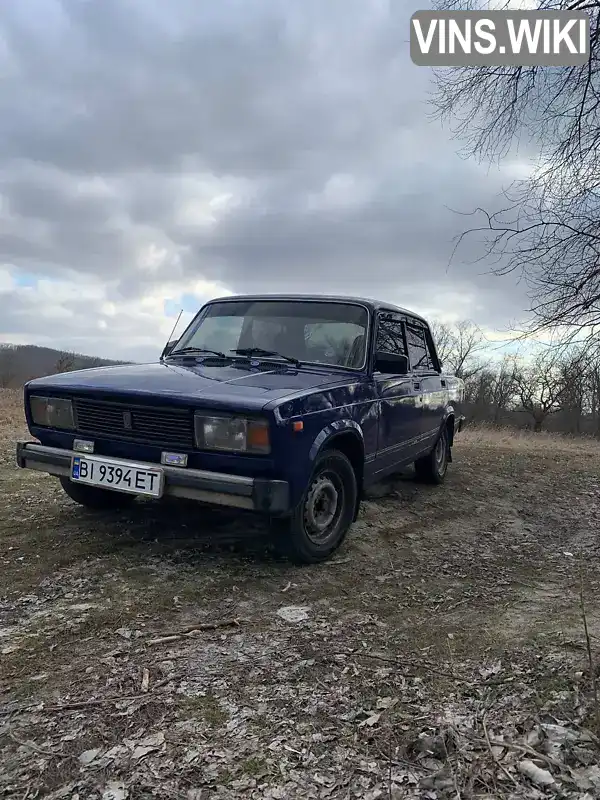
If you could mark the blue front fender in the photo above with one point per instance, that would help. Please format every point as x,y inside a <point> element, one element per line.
<point>330,431</point>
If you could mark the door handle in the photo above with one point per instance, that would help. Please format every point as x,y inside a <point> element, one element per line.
<point>417,385</point>
<point>444,383</point>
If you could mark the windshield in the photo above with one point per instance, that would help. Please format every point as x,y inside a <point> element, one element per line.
<point>317,332</point>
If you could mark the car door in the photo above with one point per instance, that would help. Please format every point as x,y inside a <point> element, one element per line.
<point>426,380</point>
<point>400,425</point>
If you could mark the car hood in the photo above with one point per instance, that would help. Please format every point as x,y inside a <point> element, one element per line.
<point>232,385</point>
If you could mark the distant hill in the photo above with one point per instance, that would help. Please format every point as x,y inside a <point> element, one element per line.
<point>20,363</point>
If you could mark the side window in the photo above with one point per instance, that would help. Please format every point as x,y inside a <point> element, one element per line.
<point>418,352</point>
<point>433,362</point>
<point>390,335</point>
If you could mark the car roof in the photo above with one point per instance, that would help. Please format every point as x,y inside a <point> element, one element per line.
<point>373,305</point>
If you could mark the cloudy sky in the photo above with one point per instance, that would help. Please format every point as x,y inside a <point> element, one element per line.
<point>154,155</point>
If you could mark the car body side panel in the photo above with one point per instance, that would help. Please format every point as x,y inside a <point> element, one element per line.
<point>400,422</point>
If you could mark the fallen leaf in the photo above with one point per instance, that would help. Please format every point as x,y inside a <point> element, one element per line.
<point>88,756</point>
<point>153,741</point>
<point>293,613</point>
<point>588,778</point>
<point>115,753</point>
<point>115,790</point>
<point>494,669</point>
<point>370,721</point>
<point>541,777</point>
<point>144,746</point>
<point>387,702</point>
<point>190,755</point>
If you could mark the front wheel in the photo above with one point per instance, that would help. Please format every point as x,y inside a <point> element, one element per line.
<point>432,468</point>
<point>322,519</point>
<point>96,499</point>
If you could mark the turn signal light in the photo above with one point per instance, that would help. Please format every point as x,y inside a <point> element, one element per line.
<point>258,437</point>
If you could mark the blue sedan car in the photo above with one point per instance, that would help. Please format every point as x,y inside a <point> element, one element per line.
<point>287,405</point>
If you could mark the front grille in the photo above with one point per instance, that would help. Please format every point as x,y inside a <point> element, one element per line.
<point>172,427</point>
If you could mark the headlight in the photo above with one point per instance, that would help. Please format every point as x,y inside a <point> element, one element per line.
<point>52,412</point>
<point>233,434</point>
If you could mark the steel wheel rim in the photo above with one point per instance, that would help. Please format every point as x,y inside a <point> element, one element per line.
<point>440,454</point>
<point>323,507</point>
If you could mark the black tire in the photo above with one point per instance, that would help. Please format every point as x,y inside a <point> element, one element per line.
<point>329,501</point>
<point>96,499</point>
<point>433,467</point>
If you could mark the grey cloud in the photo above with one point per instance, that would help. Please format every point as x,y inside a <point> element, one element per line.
<point>76,328</point>
<point>259,87</point>
<point>274,95</point>
<point>401,233</point>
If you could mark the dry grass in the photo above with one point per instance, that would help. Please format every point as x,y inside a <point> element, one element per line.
<point>492,436</point>
<point>11,412</point>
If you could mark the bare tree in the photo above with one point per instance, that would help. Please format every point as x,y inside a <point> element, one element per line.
<point>540,387</point>
<point>459,347</point>
<point>65,362</point>
<point>493,389</point>
<point>479,390</point>
<point>575,400</point>
<point>505,386</point>
<point>442,336</point>
<point>593,388</point>
<point>547,229</point>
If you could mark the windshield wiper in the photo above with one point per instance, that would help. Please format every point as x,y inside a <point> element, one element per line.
<point>191,350</point>
<point>259,351</point>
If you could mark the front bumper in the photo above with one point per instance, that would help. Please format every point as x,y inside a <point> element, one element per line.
<point>216,488</point>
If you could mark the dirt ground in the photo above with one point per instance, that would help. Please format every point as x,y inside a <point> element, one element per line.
<point>164,652</point>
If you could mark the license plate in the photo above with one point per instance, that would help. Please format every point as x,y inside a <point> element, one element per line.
<point>122,476</point>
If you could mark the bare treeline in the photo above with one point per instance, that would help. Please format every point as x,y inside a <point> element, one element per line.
<point>556,388</point>
<point>8,366</point>
<point>20,363</point>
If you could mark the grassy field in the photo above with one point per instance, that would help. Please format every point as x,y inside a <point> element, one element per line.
<point>441,653</point>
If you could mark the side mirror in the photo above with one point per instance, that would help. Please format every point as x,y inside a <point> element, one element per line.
<point>391,364</point>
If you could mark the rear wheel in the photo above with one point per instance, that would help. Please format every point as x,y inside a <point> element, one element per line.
<point>96,499</point>
<point>432,468</point>
<point>320,523</point>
